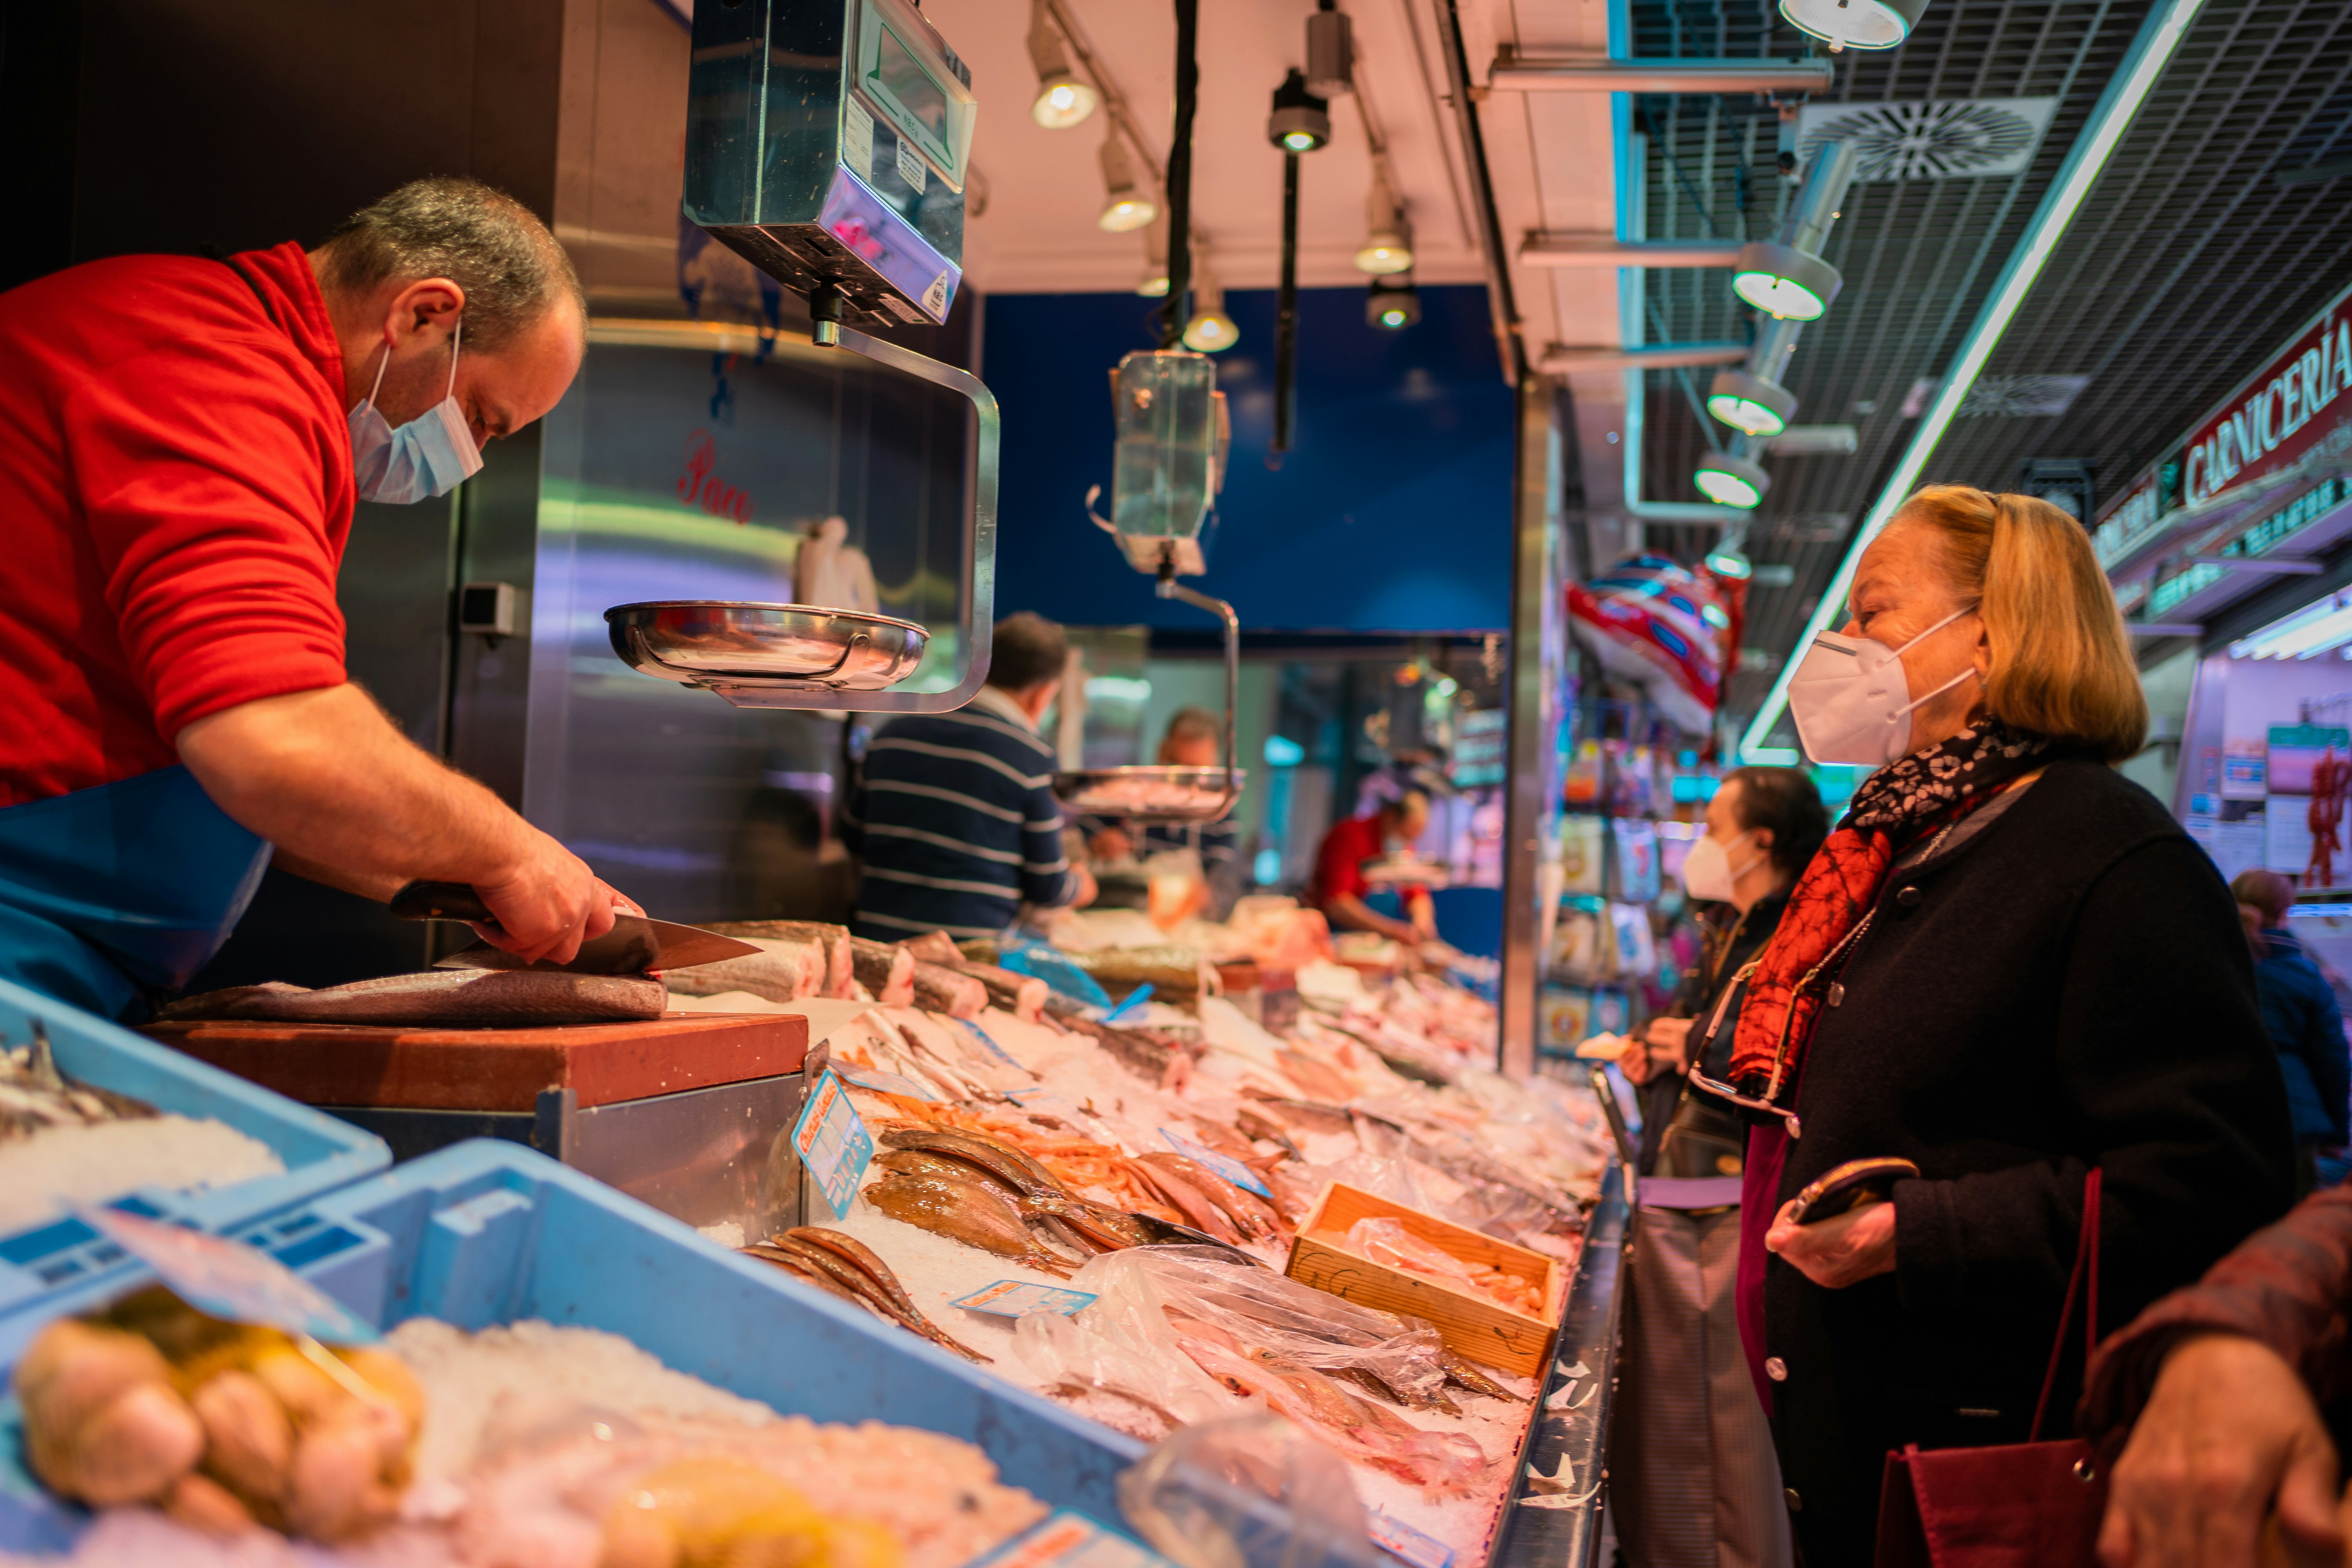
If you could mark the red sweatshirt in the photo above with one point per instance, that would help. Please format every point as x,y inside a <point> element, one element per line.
<point>175,491</point>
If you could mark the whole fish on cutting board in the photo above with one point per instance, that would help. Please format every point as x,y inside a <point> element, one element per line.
<point>513,998</point>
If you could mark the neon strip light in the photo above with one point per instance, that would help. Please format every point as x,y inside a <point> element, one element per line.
<point>2151,52</point>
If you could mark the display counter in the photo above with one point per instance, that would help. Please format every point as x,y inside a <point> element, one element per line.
<point>1553,1520</point>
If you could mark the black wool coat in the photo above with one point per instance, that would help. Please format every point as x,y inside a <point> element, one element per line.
<point>2070,987</point>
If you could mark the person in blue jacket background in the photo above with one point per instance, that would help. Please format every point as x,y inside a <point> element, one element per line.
<point>2300,1012</point>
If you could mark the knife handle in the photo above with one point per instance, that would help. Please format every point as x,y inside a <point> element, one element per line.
<point>440,901</point>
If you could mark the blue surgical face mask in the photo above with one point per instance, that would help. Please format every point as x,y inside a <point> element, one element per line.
<point>426,456</point>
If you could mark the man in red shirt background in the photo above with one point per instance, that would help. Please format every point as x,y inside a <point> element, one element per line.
<point>1339,886</point>
<point>181,444</point>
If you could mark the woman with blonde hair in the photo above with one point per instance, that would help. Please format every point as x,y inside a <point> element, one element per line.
<point>2008,967</point>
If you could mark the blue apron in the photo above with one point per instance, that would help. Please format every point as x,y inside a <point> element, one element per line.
<point>119,889</point>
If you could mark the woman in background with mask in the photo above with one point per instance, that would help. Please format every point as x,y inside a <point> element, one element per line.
<point>2007,967</point>
<point>1693,1480</point>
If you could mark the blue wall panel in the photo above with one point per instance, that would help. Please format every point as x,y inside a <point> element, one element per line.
<point>1391,512</point>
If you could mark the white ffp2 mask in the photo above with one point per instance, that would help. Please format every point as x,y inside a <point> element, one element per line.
<point>1708,871</point>
<point>1851,700</point>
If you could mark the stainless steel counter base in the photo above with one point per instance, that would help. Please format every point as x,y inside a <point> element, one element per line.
<point>1545,1527</point>
<point>706,1156</point>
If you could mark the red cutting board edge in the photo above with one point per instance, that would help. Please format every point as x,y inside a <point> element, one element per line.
<point>496,1069</point>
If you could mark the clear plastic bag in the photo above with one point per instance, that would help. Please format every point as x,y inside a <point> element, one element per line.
<point>1203,1498</point>
<point>1188,1334</point>
<point>1266,1311</point>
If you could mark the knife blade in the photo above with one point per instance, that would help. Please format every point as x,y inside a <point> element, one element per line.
<point>634,945</point>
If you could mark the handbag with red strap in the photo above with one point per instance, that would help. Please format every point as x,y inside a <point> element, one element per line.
<point>2024,1505</point>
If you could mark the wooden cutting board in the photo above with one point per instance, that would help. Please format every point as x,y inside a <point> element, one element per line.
<point>496,1069</point>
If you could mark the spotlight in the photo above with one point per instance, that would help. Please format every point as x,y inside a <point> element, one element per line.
<point>1331,53</point>
<point>1300,122</point>
<point>1210,331</point>
<point>1388,248</point>
<point>1392,304</point>
<point>1153,284</point>
<point>1728,480</point>
<point>1729,558</point>
<point>1063,100</point>
<point>1750,402</point>
<point>1127,208</point>
<point>1854,24</point>
<point>1782,281</point>
<point>1785,275</point>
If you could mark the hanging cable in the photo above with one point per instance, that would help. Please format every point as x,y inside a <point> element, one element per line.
<point>1178,311</point>
<point>1285,317</point>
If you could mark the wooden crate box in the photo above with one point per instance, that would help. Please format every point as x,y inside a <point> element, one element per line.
<point>1472,1325</point>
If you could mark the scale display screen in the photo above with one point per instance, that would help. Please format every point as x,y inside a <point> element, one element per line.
<point>912,86</point>
<point>916,85</point>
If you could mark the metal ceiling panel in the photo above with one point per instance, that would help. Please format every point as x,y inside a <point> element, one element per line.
<point>2188,264</point>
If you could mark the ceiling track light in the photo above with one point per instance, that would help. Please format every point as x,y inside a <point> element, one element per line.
<point>1125,206</point>
<point>1210,331</point>
<point>1063,97</point>
<point>1388,242</point>
<point>1855,24</point>
<point>1727,478</point>
<point>1749,403</point>
<point>1301,123</point>
<point>1785,275</point>
<point>1752,399</point>
<point>1331,52</point>
<point>1729,557</point>
<point>1393,303</point>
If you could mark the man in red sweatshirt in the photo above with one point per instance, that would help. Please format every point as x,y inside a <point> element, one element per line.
<point>181,444</point>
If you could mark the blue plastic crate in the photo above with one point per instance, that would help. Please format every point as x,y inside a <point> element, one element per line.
<point>487,1232</point>
<point>65,1255</point>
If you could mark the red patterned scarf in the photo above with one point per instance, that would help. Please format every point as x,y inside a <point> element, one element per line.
<point>1897,805</point>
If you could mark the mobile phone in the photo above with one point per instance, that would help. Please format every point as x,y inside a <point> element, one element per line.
<point>1850,1186</point>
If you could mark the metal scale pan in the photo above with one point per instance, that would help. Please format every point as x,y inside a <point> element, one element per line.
<point>1162,793</point>
<point>715,644</point>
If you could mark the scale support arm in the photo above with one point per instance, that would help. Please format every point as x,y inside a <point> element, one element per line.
<point>979,608</point>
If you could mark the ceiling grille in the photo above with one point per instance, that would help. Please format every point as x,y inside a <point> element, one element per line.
<point>2185,267</point>
<point>1964,140</point>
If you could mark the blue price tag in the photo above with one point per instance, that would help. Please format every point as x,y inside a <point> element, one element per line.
<point>1131,1006</point>
<point>1233,1170</point>
<point>1067,1540</point>
<point>1401,1541</point>
<point>886,1082</point>
<point>1019,1299</point>
<point>834,1144</point>
<point>231,1280</point>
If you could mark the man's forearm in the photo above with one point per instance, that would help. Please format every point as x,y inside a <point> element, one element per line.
<point>1356,914</point>
<point>346,797</point>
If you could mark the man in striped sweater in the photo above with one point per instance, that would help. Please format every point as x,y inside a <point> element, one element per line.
<point>954,815</point>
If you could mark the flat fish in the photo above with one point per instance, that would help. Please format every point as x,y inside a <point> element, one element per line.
<point>515,998</point>
<point>962,1211</point>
